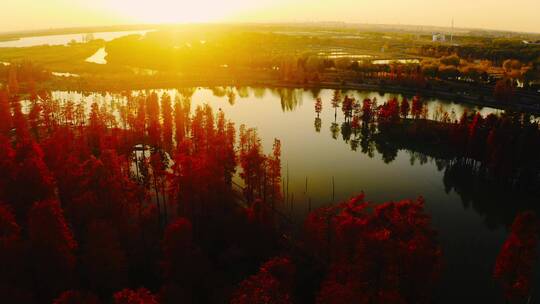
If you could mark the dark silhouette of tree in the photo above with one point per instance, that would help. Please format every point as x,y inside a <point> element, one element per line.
<point>139,296</point>
<point>318,124</point>
<point>5,114</point>
<point>503,90</point>
<point>404,108</point>
<point>152,116</point>
<point>166,115</point>
<point>103,260</point>
<point>96,130</point>
<point>76,297</point>
<point>347,107</point>
<point>417,107</point>
<point>20,122</point>
<point>274,283</point>
<point>515,263</point>
<point>52,249</point>
<point>179,121</point>
<point>14,277</point>
<point>183,265</point>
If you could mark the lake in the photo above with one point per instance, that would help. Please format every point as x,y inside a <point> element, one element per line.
<point>66,39</point>
<point>472,224</point>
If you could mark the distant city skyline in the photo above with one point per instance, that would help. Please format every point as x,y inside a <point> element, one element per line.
<point>518,15</point>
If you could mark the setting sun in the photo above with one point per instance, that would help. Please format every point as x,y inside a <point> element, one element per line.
<point>171,11</point>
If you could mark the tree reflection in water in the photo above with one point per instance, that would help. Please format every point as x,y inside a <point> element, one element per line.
<point>487,161</point>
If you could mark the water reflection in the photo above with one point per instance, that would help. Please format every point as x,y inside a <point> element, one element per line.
<point>494,194</point>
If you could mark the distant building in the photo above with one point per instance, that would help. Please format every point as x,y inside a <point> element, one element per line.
<point>537,42</point>
<point>439,37</point>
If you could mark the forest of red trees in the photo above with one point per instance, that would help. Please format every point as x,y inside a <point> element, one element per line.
<point>150,201</point>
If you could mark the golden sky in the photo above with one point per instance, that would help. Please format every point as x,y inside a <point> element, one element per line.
<point>516,15</point>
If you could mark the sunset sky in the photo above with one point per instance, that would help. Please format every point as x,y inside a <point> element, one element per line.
<point>517,15</point>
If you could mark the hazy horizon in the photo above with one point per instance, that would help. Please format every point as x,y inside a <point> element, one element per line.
<point>518,16</point>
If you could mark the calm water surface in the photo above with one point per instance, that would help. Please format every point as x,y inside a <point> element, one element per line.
<point>65,39</point>
<point>471,224</point>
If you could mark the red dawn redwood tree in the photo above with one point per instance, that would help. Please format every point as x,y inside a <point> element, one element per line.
<point>274,283</point>
<point>318,106</point>
<point>347,107</point>
<point>404,108</point>
<point>166,115</point>
<point>336,100</point>
<point>7,167</point>
<point>180,255</point>
<point>96,130</point>
<point>367,110</point>
<point>76,297</point>
<point>378,254</point>
<point>32,181</point>
<point>139,296</point>
<point>515,263</point>
<point>9,229</point>
<point>14,287</point>
<point>5,114</point>
<point>184,267</point>
<point>103,259</point>
<point>179,121</point>
<point>154,126</point>
<point>417,107</point>
<point>52,248</point>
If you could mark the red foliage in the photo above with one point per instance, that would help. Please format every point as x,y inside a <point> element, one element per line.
<point>154,126</point>
<point>376,252</point>
<point>262,174</point>
<point>96,130</point>
<point>318,106</point>
<point>166,114</point>
<point>53,247</point>
<point>367,110</point>
<point>389,111</point>
<point>9,229</point>
<point>515,263</point>
<point>417,107</point>
<point>76,297</point>
<point>336,99</point>
<point>182,262</point>
<point>11,261</point>
<point>5,114</point>
<point>139,296</point>
<point>203,165</point>
<point>404,108</point>
<point>103,260</point>
<point>347,107</point>
<point>31,180</point>
<point>272,284</point>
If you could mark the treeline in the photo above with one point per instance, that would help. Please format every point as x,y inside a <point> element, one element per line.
<point>497,50</point>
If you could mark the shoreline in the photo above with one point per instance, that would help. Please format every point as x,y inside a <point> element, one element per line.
<point>477,96</point>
